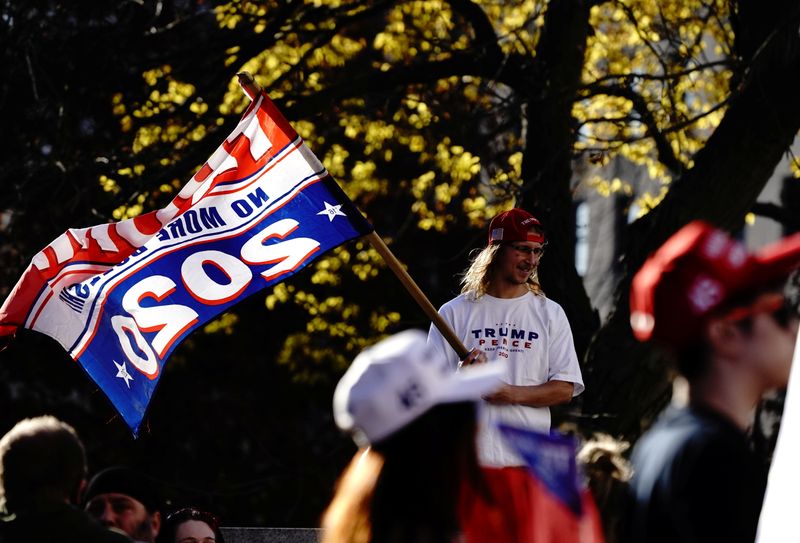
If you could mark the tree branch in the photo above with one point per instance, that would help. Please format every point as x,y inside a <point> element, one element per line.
<point>461,63</point>
<point>761,122</point>
<point>786,217</point>
<point>554,79</point>
<point>663,146</point>
<point>626,79</point>
<point>485,36</point>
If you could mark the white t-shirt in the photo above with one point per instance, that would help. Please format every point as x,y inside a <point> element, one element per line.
<point>532,335</point>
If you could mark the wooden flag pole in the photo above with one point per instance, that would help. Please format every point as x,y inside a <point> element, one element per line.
<point>249,84</point>
<point>253,89</point>
<point>417,294</point>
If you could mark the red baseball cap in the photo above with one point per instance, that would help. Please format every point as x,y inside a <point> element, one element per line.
<point>696,272</point>
<point>514,225</point>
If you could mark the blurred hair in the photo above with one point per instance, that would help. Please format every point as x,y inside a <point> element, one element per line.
<point>406,487</point>
<point>42,460</point>
<point>475,280</point>
<point>603,456</point>
<point>608,471</point>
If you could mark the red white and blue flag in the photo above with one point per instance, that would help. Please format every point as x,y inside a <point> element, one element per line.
<point>551,458</point>
<point>120,297</point>
<point>561,509</point>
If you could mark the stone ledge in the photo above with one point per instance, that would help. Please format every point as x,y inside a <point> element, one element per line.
<point>271,535</point>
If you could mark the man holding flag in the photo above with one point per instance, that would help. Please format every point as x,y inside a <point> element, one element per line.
<point>725,316</point>
<point>120,297</point>
<point>502,313</point>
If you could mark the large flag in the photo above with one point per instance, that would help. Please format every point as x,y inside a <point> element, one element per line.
<point>777,523</point>
<point>120,297</point>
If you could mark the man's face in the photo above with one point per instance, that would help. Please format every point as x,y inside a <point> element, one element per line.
<point>771,340</point>
<point>125,513</point>
<point>517,261</point>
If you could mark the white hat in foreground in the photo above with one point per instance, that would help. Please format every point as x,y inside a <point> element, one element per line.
<point>398,379</point>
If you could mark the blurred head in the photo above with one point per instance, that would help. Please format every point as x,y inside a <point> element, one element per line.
<point>414,417</point>
<point>406,486</point>
<point>702,295</point>
<point>393,382</point>
<point>760,335</point>
<point>603,461</point>
<point>190,525</point>
<point>122,498</point>
<point>42,461</point>
<point>516,245</point>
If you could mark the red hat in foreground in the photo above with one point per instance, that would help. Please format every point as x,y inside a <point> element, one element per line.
<point>514,225</point>
<point>696,272</point>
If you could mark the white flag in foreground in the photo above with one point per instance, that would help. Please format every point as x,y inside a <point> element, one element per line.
<point>778,521</point>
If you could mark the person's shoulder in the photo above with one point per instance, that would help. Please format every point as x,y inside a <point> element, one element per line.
<point>716,434</point>
<point>459,301</point>
<point>670,433</point>
<point>701,426</point>
<point>549,303</point>
<point>688,437</point>
<point>683,423</point>
<point>546,305</point>
<point>52,525</point>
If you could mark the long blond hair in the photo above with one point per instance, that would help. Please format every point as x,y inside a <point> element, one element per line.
<point>347,518</point>
<point>475,280</point>
<point>407,486</point>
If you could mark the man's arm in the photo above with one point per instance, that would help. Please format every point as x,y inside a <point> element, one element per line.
<point>550,393</point>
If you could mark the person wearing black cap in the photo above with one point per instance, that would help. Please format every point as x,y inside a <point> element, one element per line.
<point>503,314</point>
<point>42,472</point>
<point>122,498</point>
<point>727,318</point>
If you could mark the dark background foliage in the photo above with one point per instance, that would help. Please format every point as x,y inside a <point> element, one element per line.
<point>241,422</point>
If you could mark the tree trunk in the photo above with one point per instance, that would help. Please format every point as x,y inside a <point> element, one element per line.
<point>625,379</point>
<point>547,167</point>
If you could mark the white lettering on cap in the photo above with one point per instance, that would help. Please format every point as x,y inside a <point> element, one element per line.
<point>411,395</point>
<point>737,256</point>
<point>715,244</point>
<point>704,294</point>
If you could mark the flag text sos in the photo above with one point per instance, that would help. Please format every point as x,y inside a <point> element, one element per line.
<point>170,321</point>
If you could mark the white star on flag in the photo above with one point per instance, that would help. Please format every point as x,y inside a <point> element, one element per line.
<point>122,373</point>
<point>332,211</point>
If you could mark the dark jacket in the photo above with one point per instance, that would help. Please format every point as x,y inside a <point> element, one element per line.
<point>695,481</point>
<point>56,525</point>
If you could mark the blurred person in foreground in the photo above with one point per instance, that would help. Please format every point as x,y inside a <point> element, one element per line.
<point>191,525</point>
<point>730,321</point>
<point>125,499</point>
<point>42,473</point>
<point>413,418</point>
